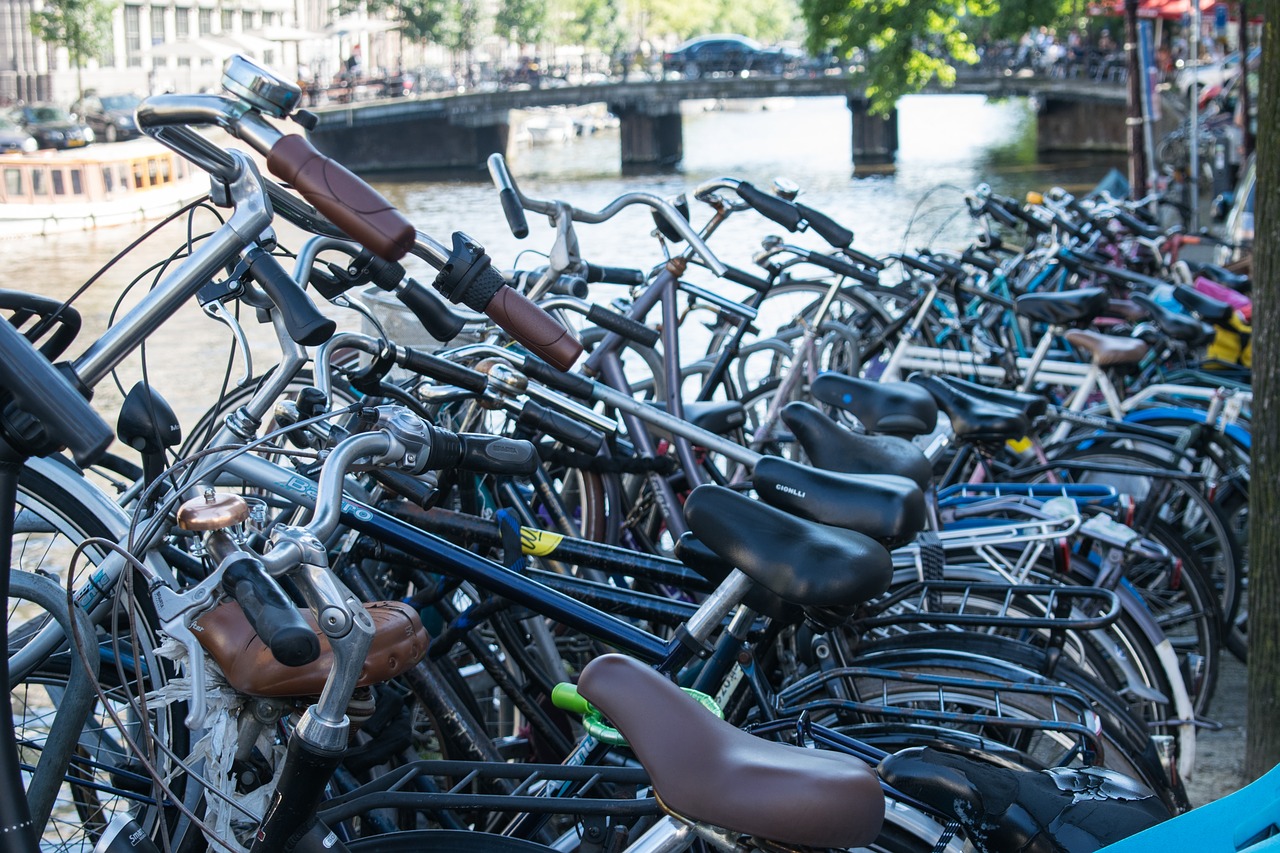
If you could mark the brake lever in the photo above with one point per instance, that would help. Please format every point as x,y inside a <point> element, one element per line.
<point>176,611</point>
<point>217,311</point>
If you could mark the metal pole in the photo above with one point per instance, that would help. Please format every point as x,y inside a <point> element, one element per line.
<point>1194,140</point>
<point>1135,119</point>
<point>1244,80</point>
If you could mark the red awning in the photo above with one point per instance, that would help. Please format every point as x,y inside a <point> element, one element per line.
<point>1170,10</point>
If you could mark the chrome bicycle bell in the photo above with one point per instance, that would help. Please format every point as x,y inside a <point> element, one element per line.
<point>270,93</point>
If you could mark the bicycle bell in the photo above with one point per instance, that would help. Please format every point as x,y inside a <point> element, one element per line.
<point>270,93</point>
<point>213,511</point>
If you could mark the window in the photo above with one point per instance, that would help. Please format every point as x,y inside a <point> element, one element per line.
<point>59,187</point>
<point>39,185</point>
<point>270,19</point>
<point>13,182</point>
<point>77,182</point>
<point>157,25</point>
<point>133,35</point>
<point>246,19</point>
<point>205,21</point>
<point>182,29</point>
<point>108,178</point>
<point>228,20</point>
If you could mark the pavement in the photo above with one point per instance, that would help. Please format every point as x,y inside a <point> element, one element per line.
<point>1219,766</point>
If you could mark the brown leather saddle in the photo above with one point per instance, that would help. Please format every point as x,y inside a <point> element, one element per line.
<point>399,642</point>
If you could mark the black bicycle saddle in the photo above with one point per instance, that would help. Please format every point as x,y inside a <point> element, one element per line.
<point>831,447</point>
<point>1058,810</point>
<point>1059,309</point>
<point>800,561</point>
<point>892,407</point>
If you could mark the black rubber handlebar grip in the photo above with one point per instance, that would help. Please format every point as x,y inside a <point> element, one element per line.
<point>625,326</point>
<point>828,229</point>
<point>921,264</point>
<point>301,317</point>
<point>779,210</point>
<point>431,310</point>
<point>274,618</point>
<point>746,279</point>
<point>514,212</point>
<point>573,384</point>
<point>614,275</point>
<point>840,267</point>
<point>348,202</point>
<point>441,370</point>
<point>862,259</point>
<point>40,390</point>
<point>538,418</point>
<point>491,454</point>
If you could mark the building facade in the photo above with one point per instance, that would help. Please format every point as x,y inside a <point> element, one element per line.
<point>164,46</point>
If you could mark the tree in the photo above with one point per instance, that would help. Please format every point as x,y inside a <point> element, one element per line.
<point>1263,737</point>
<point>909,45</point>
<point>83,27</point>
<point>521,21</point>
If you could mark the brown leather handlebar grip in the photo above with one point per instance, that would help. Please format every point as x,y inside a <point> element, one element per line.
<point>348,202</point>
<point>534,328</point>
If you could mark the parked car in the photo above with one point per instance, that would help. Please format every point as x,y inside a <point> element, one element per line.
<point>14,139</point>
<point>728,54</point>
<point>1213,73</point>
<point>52,126</point>
<point>110,116</point>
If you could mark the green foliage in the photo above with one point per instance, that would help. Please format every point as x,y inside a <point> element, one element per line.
<point>594,23</point>
<point>521,21</point>
<point>910,43</point>
<point>420,20</point>
<point>83,27</point>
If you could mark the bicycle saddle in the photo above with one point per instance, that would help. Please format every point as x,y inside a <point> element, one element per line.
<point>831,447</point>
<point>1058,810</point>
<point>399,642</point>
<point>1180,327</point>
<point>1202,305</point>
<point>889,509</point>
<point>704,769</point>
<point>1059,309</point>
<point>718,416</point>
<point>1031,405</point>
<point>1108,350</point>
<point>800,561</point>
<point>973,418</point>
<point>896,408</point>
<point>1223,276</point>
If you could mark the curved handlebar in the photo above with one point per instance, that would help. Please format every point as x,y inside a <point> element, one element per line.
<point>503,180</point>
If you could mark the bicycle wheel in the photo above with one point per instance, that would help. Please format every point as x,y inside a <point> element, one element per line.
<point>56,510</point>
<point>1173,500</point>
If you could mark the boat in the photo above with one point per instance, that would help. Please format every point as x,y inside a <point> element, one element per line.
<point>56,191</point>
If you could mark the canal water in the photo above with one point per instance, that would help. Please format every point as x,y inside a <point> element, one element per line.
<point>948,145</point>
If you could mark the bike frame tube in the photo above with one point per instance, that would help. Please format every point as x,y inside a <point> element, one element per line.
<point>456,560</point>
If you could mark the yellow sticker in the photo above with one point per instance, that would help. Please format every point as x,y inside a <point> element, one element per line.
<point>1022,445</point>
<point>538,543</point>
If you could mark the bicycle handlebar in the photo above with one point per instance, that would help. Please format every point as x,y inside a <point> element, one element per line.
<point>40,390</point>
<point>269,611</point>
<point>503,180</point>
<point>347,201</point>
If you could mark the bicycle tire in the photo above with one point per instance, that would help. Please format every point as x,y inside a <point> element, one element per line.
<point>56,511</point>
<point>1186,512</point>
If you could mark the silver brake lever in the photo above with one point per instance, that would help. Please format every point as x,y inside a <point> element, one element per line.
<point>219,312</point>
<point>176,611</point>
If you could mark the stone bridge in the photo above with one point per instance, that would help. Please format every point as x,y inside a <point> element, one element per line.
<point>460,131</point>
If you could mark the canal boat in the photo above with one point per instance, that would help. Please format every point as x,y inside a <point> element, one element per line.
<point>93,187</point>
